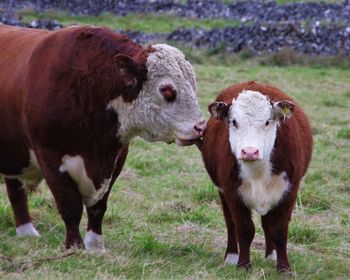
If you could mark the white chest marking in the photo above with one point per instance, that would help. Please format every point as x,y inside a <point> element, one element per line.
<point>75,167</point>
<point>264,192</point>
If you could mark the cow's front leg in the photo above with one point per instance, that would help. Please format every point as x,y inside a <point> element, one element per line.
<point>17,194</point>
<point>93,239</point>
<point>66,194</point>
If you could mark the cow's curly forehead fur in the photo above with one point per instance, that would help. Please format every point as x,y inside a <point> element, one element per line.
<point>167,60</point>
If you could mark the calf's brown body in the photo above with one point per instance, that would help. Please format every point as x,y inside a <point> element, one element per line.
<point>291,154</point>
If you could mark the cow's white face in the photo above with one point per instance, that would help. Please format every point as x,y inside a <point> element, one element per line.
<point>252,120</point>
<point>167,108</point>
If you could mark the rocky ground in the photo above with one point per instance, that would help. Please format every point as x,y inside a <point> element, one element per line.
<point>263,27</point>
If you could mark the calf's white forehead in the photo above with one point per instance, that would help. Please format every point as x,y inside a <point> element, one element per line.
<point>252,105</point>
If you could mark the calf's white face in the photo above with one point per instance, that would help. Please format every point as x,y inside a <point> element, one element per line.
<point>167,108</point>
<point>252,120</point>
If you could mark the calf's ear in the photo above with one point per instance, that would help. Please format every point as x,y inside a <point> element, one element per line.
<point>283,110</point>
<point>219,110</point>
<point>132,74</point>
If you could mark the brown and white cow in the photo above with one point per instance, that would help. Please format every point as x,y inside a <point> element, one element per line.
<point>70,102</point>
<point>256,149</point>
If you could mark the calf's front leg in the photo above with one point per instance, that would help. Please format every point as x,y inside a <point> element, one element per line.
<point>275,225</point>
<point>231,254</point>
<point>244,225</point>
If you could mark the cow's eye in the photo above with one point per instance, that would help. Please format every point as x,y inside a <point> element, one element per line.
<point>267,123</point>
<point>168,92</point>
<point>234,123</point>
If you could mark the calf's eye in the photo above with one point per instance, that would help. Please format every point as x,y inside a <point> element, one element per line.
<point>234,123</point>
<point>267,123</point>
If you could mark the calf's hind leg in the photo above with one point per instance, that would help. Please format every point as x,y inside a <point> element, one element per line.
<point>17,194</point>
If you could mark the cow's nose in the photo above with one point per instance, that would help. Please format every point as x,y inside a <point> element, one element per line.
<point>200,127</point>
<point>250,153</point>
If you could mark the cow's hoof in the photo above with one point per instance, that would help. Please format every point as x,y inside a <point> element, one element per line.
<point>94,242</point>
<point>26,230</point>
<point>231,259</point>
<point>272,256</point>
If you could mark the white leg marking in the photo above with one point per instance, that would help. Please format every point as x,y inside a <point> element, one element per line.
<point>94,242</point>
<point>26,230</point>
<point>272,256</point>
<point>231,259</point>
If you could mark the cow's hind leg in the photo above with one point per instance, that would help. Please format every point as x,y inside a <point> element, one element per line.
<point>231,254</point>
<point>17,194</point>
<point>93,239</point>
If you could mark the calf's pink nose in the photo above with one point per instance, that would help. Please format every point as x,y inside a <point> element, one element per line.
<point>199,127</point>
<point>250,153</point>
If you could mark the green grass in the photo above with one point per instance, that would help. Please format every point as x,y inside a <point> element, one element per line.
<point>164,219</point>
<point>141,22</point>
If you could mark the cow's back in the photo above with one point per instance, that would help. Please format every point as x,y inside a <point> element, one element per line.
<point>16,48</point>
<point>293,145</point>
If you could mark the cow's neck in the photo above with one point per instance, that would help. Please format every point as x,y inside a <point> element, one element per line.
<point>131,117</point>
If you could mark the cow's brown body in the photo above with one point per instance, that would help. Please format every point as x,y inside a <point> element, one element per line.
<point>291,154</point>
<point>54,90</point>
<point>56,93</point>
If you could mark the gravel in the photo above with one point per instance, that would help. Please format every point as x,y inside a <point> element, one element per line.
<point>237,10</point>
<point>264,28</point>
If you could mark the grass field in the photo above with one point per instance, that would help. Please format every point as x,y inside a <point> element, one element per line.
<point>164,219</point>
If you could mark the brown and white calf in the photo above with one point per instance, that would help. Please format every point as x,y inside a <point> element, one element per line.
<point>70,102</point>
<point>256,149</point>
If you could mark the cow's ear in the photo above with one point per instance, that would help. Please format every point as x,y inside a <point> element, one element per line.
<point>219,110</point>
<point>283,110</point>
<point>131,72</point>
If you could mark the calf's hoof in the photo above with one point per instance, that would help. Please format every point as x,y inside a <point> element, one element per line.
<point>245,265</point>
<point>231,259</point>
<point>74,242</point>
<point>285,268</point>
